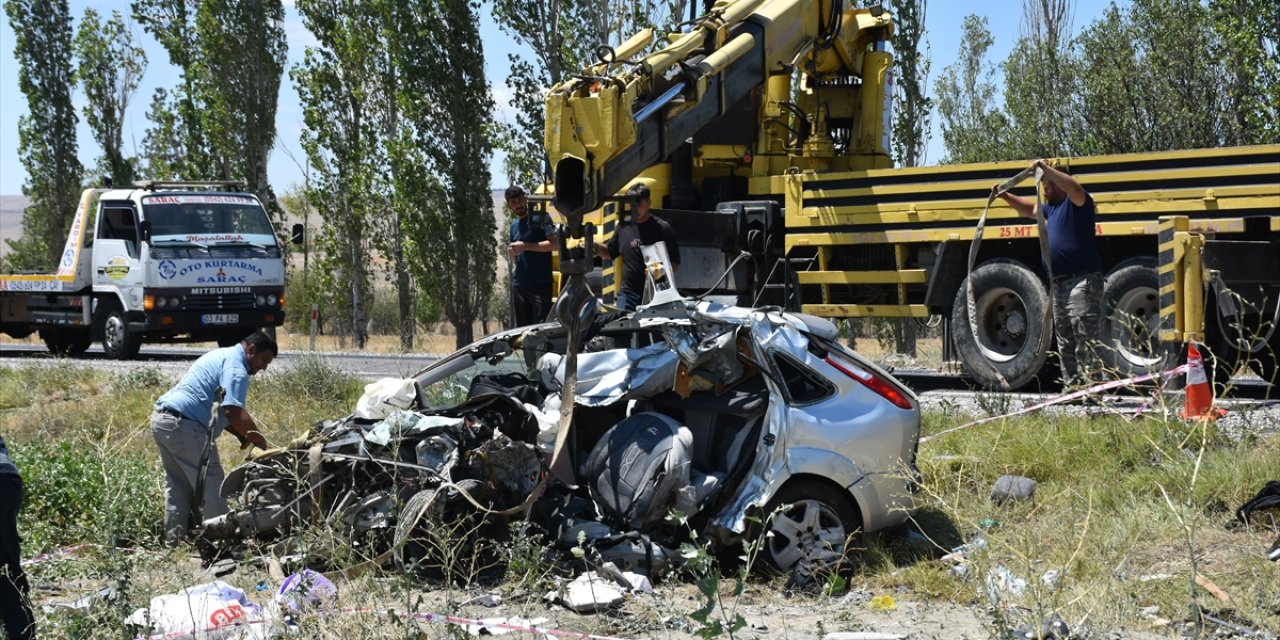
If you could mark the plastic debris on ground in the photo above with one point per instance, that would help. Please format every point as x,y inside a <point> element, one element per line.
<point>863,635</point>
<point>81,604</point>
<point>485,600</point>
<point>588,593</point>
<point>1052,628</point>
<point>307,589</point>
<point>210,611</point>
<point>882,603</point>
<point>1000,581</point>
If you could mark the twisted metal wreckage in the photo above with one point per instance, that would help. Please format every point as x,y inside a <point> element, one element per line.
<point>676,411</point>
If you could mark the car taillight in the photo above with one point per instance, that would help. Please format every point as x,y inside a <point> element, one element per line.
<point>874,382</point>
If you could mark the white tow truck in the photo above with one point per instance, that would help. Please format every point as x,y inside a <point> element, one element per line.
<point>159,262</point>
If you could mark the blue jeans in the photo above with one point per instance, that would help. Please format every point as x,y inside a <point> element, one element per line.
<point>1077,322</point>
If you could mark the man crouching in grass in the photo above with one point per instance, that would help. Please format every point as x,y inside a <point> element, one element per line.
<point>182,420</point>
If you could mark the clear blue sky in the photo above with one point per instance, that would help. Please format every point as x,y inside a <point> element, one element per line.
<point>943,33</point>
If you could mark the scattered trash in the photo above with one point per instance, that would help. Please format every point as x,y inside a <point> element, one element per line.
<point>1015,488</point>
<point>307,589</point>
<point>211,611</point>
<point>863,635</point>
<point>485,600</point>
<point>262,585</point>
<point>588,593</point>
<point>1052,628</point>
<point>882,602</point>
<point>1273,554</point>
<point>1212,588</point>
<point>80,604</point>
<point>1155,576</point>
<point>959,553</point>
<point>1000,580</point>
<point>988,523</point>
<point>960,570</point>
<point>1268,497</point>
<point>1051,579</point>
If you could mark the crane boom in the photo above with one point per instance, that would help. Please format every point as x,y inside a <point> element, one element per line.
<point>621,116</point>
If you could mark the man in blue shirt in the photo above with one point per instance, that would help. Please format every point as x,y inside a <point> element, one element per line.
<point>1076,270</point>
<point>182,418</point>
<point>531,241</point>
<point>15,605</point>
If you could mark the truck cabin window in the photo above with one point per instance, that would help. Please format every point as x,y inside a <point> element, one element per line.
<point>120,224</point>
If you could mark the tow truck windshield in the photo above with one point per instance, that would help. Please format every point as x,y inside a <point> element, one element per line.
<point>208,219</point>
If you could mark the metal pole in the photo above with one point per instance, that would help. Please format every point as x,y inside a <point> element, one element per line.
<point>315,323</point>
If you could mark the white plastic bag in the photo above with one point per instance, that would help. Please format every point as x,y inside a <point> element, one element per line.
<point>211,611</point>
<point>385,397</point>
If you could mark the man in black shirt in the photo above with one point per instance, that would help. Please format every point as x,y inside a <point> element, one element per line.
<point>645,229</point>
<point>15,609</point>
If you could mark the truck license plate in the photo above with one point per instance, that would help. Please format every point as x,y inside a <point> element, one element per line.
<point>220,318</point>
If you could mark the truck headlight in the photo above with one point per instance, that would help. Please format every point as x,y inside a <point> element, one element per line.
<point>271,300</point>
<point>260,300</point>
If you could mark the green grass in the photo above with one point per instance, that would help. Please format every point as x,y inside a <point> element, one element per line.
<point>1100,516</point>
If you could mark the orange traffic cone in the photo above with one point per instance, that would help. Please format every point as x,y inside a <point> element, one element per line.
<point>1199,404</point>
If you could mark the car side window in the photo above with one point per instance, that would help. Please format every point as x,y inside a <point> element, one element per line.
<point>803,384</point>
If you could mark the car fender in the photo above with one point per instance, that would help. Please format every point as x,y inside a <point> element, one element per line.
<point>840,470</point>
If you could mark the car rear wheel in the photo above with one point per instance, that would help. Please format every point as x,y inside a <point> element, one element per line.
<point>1009,308</point>
<point>809,526</point>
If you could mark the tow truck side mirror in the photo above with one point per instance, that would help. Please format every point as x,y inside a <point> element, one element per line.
<point>298,234</point>
<point>145,230</point>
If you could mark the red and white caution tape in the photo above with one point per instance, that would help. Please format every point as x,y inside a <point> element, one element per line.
<point>1075,395</point>
<point>70,551</point>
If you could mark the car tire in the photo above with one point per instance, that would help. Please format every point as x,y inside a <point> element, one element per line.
<point>1131,319</point>
<point>1010,303</point>
<point>809,527</point>
<point>439,534</point>
<point>117,340</point>
<point>66,342</point>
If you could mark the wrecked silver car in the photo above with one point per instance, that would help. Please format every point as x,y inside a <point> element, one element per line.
<point>716,414</point>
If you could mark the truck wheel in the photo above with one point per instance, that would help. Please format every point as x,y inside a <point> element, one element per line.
<point>66,342</point>
<point>1131,325</point>
<point>1222,359</point>
<point>1010,303</point>
<point>117,341</point>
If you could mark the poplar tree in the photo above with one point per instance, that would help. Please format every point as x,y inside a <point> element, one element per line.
<point>242,52</point>
<point>456,248</point>
<point>111,66</point>
<point>47,133</point>
<point>974,129</point>
<point>335,80</point>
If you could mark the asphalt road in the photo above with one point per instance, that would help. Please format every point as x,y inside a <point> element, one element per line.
<point>174,361</point>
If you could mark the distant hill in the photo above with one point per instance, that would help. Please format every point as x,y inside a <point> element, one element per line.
<point>11,208</point>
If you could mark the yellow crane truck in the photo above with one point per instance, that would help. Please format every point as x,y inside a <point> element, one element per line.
<point>763,132</point>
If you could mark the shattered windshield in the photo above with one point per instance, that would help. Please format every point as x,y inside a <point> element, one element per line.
<point>208,219</point>
<point>450,383</point>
